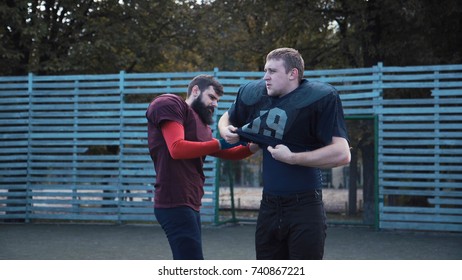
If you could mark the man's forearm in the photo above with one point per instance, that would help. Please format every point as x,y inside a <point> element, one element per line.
<point>336,154</point>
<point>223,123</point>
<point>333,155</point>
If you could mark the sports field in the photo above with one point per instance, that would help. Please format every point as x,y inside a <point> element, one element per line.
<point>232,242</point>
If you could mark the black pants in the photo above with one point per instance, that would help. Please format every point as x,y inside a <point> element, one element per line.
<point>291,227</point>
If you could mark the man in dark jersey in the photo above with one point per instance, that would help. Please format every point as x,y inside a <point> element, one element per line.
<point>300,126</point>
<point>179,138</point>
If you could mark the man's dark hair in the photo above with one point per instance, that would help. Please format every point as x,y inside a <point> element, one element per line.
<point>203,82</point>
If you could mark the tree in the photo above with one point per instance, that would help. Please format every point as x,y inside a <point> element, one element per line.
<point>398,33</point>
<point>90,36</point>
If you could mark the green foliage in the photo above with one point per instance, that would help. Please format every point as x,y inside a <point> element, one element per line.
<point>106,36</point>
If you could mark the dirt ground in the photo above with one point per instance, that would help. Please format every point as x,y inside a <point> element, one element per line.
<point>225,242</point>
<point>335,200</point>
<point>228,241</point>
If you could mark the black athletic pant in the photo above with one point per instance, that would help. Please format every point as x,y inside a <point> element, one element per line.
<point>291,227</point>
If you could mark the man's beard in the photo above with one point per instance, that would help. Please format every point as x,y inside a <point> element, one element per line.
<point>204,112</point>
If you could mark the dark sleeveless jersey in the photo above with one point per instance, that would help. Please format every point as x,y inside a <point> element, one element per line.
<point>305,119</point>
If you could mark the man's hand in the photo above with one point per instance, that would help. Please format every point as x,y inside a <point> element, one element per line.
<point>281,153</point>
<point>229,134</point>
<point>254,148</point>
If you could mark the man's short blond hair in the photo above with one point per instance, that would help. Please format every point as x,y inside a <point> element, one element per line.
<point>291,58</point>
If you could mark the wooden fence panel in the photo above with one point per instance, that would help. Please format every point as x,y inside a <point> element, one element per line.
<point>74,147</point>
<point>420,149</point>
<point>14,146</point>
<point>84,154</point>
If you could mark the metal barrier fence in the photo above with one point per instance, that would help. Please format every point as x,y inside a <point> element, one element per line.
<point>74,147</point>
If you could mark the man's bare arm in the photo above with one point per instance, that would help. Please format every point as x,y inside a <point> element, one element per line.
<point>333,155</point>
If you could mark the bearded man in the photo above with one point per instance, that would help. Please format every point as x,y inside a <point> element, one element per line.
<point>179,139</point>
